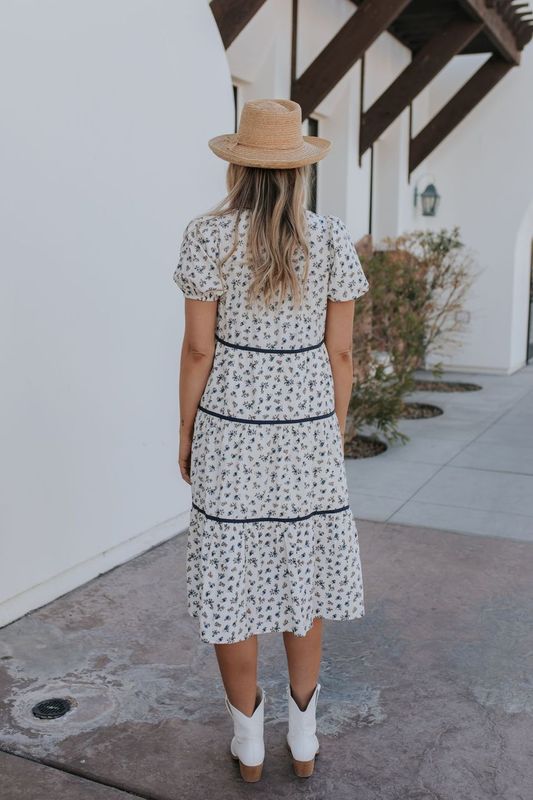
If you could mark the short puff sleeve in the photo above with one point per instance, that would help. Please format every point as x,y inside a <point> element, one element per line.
<point>197,272</point>
<point>347,281</point>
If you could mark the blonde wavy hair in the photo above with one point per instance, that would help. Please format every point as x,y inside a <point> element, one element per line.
<point>276,199</point>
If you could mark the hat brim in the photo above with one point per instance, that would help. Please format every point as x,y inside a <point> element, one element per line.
<point>228,147</point>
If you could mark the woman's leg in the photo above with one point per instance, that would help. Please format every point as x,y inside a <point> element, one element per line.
<point>303,659</point>
<point>238,667</point>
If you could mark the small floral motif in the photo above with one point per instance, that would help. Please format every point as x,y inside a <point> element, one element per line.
<point>272,542</point>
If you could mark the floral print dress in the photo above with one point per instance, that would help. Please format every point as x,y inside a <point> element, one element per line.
<point>272,541</point>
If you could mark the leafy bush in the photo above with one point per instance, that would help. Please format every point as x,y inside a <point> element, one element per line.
<point>418,282</point>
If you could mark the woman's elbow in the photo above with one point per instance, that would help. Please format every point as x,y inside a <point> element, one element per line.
<point>198,352</point>
<point>341,355</point>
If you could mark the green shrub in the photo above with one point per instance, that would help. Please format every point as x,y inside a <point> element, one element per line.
<point>418,282</point>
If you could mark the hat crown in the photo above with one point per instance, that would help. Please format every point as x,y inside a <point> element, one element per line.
<point>275,124</point>
<point>269,136</point>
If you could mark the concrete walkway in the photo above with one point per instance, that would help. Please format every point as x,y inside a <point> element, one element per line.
<point>21,779</point>
<point>469,470</point>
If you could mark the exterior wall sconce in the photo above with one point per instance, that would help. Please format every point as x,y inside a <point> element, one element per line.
<point>429,198</point>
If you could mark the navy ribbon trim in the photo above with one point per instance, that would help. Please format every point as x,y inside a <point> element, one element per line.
<point>265,421</point>
<point>270,519</point>
<point>266,349</point>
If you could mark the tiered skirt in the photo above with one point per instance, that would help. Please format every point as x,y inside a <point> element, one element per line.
<point>272,541</point>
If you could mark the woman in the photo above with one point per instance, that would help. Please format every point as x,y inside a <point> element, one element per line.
<point>265,380</point>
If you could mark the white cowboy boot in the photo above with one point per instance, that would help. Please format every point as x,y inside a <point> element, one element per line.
<point>301,737</point>
<point>247,745</point>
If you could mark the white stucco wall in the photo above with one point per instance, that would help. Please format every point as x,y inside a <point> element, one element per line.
<point>484,172</point>
<point>384,62</point>
<point>107,108</point>
<point>522,265</point>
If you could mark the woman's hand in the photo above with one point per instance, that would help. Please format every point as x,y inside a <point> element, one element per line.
<point>184,457</point>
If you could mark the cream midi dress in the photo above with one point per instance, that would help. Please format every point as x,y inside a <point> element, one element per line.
<point>272,541</point>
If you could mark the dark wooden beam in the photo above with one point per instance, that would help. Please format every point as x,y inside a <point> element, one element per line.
<point>525,33</point>
<point>232,16</point>
<point>443,123</point>
<point>427,63</point>
<point>347,46</point>
<point>294,37</point>
<point>496,28</point>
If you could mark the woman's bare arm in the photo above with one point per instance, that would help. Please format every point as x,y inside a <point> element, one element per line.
<point>339,344</point>
<point>197,353</point>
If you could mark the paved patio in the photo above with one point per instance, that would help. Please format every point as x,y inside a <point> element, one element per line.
<point>427,697</point>
<point>469,470</point>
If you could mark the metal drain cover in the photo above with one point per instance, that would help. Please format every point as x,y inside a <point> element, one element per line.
<point>52,708</point>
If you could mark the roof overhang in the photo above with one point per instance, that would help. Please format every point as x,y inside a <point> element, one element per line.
<point>434,30</point>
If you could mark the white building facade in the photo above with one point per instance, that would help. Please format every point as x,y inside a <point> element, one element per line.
<point>483,169</point>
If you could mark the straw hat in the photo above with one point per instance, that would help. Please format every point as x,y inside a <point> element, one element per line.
<point>270,135</point>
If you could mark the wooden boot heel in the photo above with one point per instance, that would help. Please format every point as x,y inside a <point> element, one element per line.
<point>303,769</point>
<point>250,774</point>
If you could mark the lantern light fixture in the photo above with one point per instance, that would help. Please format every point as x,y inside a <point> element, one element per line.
<point>429,197</point>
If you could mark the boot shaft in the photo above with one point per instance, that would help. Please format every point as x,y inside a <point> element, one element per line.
<point>247,743</point>
<point>303,721</point>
